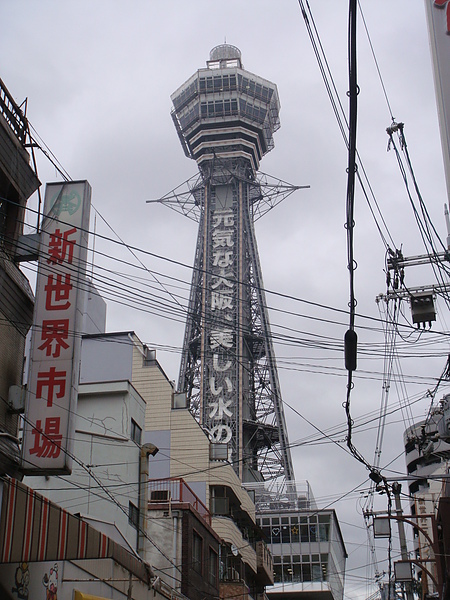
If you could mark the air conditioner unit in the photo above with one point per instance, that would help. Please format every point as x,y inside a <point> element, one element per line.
<point>160,496</point>
<point>179,400</point>
<point>218,451</point>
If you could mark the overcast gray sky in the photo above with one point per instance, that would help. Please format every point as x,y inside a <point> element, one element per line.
<point>98,78</point>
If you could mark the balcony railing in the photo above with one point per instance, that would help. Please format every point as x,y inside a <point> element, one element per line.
<point>264,562</point>
<point>175,489</point>
<point>12,114</point>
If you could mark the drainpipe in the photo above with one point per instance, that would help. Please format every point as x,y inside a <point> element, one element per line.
<point>146,450</point>
<point>176,583</point>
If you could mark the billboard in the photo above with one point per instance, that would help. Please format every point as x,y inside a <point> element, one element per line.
<point>56,333</point>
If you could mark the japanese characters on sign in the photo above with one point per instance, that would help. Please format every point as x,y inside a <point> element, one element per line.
<point>56,333</point>
<point>220,404</point>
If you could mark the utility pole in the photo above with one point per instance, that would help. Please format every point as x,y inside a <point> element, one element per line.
<point>396,489</point>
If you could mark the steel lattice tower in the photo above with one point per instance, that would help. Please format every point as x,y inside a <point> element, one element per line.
<point>225,118</point>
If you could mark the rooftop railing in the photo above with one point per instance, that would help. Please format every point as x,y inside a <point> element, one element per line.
<point>12,114</point>
<point>175,489</point>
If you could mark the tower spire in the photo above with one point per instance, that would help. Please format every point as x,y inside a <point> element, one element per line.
<point>225,118</point>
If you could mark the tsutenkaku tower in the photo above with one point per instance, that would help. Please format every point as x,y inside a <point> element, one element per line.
<point>225,118</point>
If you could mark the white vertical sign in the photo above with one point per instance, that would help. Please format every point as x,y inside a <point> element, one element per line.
<point>438,17</point>
<point>57,325</point>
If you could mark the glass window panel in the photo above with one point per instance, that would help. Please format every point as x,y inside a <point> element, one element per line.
<point>304,533</point>
<point>296,573</point>
<point>324,532</point>
<point>324,567</point>
<point>295,533</point>
<point>306,572</point>
<point>285,534</point>
<point>213,563</point>
<point>278,573</point>
<point>316,573</point>
<point>276,534</point>
<point>313,533</point>
<point>285,520</point>
<point>136,432</point>
<point>287,573</point>
<point>197,551</point>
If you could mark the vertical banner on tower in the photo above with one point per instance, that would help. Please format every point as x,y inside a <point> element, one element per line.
<point>57,325</point>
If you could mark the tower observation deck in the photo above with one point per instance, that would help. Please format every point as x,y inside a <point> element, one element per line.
<point>225,118</point>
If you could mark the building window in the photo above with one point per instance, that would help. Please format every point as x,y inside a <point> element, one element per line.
<point>197,551</point>
<point>133,515</point>
<point>213,565</point>
<point>136,432</point>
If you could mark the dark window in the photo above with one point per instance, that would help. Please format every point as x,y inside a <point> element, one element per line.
<point>276,534</point>
<point>296,573</point>
<point>324,532</point>
<point>133,515</point>
<point>197,551</point>
<point>304,533</point>
<point>306,572</point>
<point>295,532</point>
<point>278,573</point>
<point>136,432</point>
<point>213,563</point>
<point>285,534</point>
<point>324,565</point>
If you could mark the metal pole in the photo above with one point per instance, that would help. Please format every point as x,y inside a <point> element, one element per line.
<point>396,489</point>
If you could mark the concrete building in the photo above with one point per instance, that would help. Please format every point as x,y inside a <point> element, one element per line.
<point>18,181</point>
<point>194,523</point>
<point>306,542</point>
<point>427,453</point>
<point>187,460</point>
<point>180,524</point>
<point>47,552</point>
